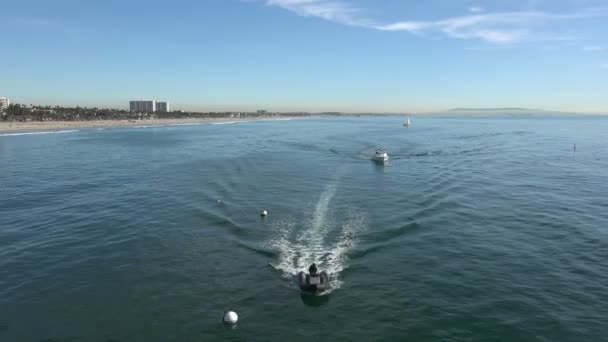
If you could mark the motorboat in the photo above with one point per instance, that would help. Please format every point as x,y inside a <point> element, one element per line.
<point>380,155</point>
<point>313,282</point>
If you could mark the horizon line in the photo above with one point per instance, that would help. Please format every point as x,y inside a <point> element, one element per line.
<point>379,112</point>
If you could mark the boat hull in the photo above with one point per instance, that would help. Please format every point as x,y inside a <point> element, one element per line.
<point>380,159</point>
<point>307,286</point>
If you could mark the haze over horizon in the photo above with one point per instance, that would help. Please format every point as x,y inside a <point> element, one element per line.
<point>308,55</point>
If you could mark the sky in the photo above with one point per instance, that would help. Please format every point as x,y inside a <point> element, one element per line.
<point>398,56</point>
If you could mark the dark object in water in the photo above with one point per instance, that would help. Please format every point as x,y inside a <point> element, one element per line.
<point>314,300</point>
<point>313,283</point>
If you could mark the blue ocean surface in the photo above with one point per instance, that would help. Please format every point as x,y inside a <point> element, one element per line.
<point>475,230</point>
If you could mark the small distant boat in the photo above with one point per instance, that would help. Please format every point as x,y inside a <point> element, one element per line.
<point>380,156</point>
<point>407,122</point>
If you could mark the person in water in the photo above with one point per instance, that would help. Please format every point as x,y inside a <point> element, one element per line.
<point>312,269</point>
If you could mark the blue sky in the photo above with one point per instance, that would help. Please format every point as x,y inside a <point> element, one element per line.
<point>313,55</point>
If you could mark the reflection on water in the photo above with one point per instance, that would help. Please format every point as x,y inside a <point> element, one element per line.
<point>380,166</point>
<point>310,299</point>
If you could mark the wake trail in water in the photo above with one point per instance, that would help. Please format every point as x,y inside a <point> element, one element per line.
<point>297,250</point>
<point>314,237</point>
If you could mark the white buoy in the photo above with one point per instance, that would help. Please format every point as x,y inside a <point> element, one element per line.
<point>230,317</point>
<point>264,213</point>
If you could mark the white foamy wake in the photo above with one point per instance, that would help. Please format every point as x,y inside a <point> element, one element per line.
<point>315,243</point>
<point>313,239</point>
<point>37,133</point>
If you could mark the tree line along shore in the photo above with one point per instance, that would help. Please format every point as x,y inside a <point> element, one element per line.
<point>23,113</point>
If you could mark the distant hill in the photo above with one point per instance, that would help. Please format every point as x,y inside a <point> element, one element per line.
<point>492,109</point>
<point>499,112</point>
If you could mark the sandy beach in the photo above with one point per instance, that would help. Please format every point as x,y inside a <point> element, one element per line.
<point>41,126</point>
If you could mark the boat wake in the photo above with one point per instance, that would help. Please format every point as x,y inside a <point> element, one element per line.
<point>322,241</point>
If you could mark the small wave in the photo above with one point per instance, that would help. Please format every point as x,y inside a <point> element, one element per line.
<point>295,144</point>
<point>522,133</point>
<point>248,121</point>
<point>469,151</point>
<point>226,123</point>
<point>258,250</point>
<point>419,154</point>
<point>37,133</point>
<point>389,235</point>
<point>480,135</point>
<point>187,124</point>
<point>148,126</point>
<point>281,119</point>
<point>359,156</point>
<point>426,154</point>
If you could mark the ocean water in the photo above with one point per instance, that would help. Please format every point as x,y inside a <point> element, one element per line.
<point>476,230</point>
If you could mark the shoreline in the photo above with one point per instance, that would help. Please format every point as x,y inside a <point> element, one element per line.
<point>44,126</point>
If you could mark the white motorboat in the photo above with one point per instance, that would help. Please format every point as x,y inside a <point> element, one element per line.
<point>380,156</point>
<point>407,122</point>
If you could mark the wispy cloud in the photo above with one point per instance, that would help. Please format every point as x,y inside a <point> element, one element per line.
<point>593,48</point>
<point>604,66</point>
<point>494,28</point>
<point>336,11</point>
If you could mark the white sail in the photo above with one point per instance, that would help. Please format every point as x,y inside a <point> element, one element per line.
<point>407,122</point>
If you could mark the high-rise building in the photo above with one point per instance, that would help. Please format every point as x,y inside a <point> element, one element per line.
<point>142,106</point>
<point>4,102</point>
<point>162,106</point>
<point>148,106</point>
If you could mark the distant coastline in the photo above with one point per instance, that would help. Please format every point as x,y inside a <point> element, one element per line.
<point>41,126</point>
<point>20,118</point>
<point>493,109</point>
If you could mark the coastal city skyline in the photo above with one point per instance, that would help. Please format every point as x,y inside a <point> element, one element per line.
<point>312,55</point>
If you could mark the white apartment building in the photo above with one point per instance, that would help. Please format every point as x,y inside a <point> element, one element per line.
<point>144,106</point>
<point>162,106</point>
<point>4,102</point>
<point>148,106</point>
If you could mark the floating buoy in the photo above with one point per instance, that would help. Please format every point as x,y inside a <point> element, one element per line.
<point>264,213</point>
<point>230,317</point>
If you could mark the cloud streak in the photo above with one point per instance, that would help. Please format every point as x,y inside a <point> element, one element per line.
<point>493,28</point>
<point>593,48</point>
<point>335,11</point>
